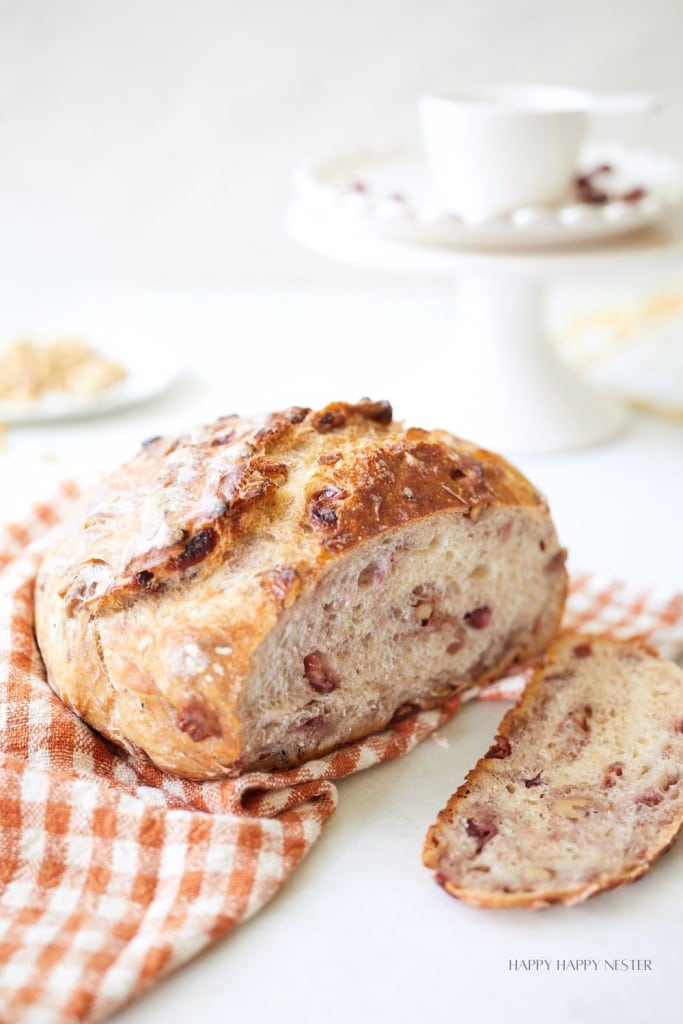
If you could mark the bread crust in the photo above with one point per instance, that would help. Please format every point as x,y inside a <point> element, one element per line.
<point>154,597</point>
<point>518,731</point>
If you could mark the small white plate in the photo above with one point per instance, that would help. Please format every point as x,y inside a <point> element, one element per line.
<point>147,375</point>
<point>391,194</point>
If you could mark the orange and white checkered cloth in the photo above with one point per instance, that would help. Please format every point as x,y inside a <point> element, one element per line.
<point>112,874</point>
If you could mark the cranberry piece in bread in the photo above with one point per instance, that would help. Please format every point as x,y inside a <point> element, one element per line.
<point>582,789</point>
<point>261,591</point>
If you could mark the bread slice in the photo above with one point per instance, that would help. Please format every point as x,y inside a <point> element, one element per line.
<point>581,790</point>
<point>261,591</point>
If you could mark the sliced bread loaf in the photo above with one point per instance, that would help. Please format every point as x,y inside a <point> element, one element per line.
<point>261,591</point>
<point>581,790</point>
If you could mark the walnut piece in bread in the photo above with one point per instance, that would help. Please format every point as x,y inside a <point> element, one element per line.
<point>258,592</point>
<point>582,789</point>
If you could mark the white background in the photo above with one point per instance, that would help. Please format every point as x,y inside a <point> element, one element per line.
<point>149,142</point>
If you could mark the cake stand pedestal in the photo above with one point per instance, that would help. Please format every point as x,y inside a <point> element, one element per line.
<point>505,382</point>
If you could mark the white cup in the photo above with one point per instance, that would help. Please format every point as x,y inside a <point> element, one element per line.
<point>492,150</point>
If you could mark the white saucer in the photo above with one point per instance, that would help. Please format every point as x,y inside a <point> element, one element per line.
<point>390,193</point>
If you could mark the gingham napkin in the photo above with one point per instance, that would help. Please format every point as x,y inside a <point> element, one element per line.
<point>113,874</point>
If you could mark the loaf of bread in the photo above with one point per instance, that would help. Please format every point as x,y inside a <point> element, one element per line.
<point>581,790</point>
<point>261,591</point>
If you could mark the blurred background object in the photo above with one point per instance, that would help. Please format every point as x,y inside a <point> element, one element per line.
<point>149,142</point>
<point>629,343</point>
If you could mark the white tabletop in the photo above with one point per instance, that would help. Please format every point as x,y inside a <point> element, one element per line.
<point>361,930</point>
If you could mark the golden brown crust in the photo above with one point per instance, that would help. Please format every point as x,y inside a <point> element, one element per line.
<point>184,502</point>
<point>550,897</point>
<point>396,481</point>
<point>179,564</point>
<point>550,684</point>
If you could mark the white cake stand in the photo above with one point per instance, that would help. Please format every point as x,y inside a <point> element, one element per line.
<point>511,390</point>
